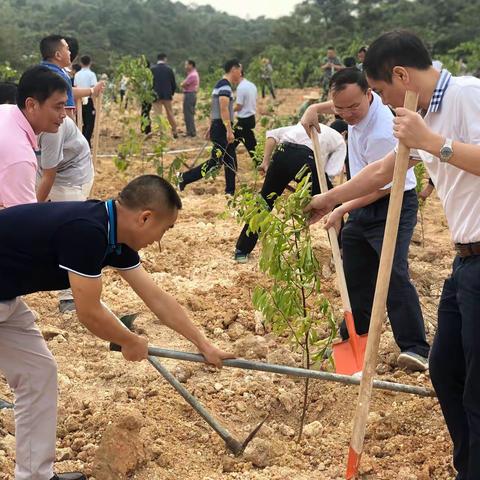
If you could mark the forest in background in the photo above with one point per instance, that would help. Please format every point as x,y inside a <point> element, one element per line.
<point>111,29</point>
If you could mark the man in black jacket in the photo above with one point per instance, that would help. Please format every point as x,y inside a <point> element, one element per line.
<point>164,86</point>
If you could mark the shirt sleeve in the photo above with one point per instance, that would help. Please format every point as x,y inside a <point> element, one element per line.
<point>127,259</point>
<point>277,133</point>
<point>51,148</point>
<point>82,248</point>
<point>336,156</point>
<point>225,91</point>
<point>18,184</point>
<point>241,96</point>
<point>378,147</point>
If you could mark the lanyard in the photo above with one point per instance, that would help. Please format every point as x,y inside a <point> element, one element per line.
<point>112,228</point>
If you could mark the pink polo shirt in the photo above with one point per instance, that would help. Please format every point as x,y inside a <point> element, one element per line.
<point>18,163</point>
<point>192,82</point>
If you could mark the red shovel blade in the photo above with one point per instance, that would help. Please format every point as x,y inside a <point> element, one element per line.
<point>349,354</point>
<point>353,463</point>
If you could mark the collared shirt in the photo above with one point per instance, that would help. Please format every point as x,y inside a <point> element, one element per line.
<point>222,89</point>
<point>247,98</point>
<point>41,243</point>
<point>454,113</point>
<point>191,82</point>
<point>60,71</point>
<point>85,78</point>
<point>372,138</point>
<point>332,144</point>
<point>18,162</point>
<point>67,151</point>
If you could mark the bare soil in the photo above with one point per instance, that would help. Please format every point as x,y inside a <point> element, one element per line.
<point>120,420</point>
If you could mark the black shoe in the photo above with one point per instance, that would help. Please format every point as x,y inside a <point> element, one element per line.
<point>66,306</point>
<point>69,476</point>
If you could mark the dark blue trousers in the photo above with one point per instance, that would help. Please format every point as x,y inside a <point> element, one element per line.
<point>455,363</point>
<point>362,239</point>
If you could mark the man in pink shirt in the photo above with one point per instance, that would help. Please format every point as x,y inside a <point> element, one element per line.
<point>40,108</point>
<point>190,87</point>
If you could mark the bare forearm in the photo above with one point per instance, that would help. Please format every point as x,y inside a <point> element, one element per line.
<point>465,156</point>
<point>323,108</point>
<point>44,187</point>
<point>368,181</point>
<point>171,314</point>
<point>105,325</point>
<point>79,92</point>
<point>270,145</point>
<point>225,114</point>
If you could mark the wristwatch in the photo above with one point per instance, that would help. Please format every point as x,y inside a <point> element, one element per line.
<point>446,152</point>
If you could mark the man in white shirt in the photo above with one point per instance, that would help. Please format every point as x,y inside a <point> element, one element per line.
<point>246,107</point>
<point>65,173</point>
<point>370,138</point>
<point>85,78</point>
<point>447,140</point>
<point>295,150</point>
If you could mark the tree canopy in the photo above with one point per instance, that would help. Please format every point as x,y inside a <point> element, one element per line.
<point>110,29</point>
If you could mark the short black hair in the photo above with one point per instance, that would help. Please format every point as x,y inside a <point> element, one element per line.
<point>161,56</point>
<point>8,93</point>
<point>76,67</point>
<point>330,48</point>
<point>192,63</point>
<point>349,62</point>
<point>150,192</point>
<point>396,48</point>
<point>231,64</point>
<point>362,49</point>
<point>39,82</point>
<point>348,76</point>
<point>49,45</point>
<point>85,60</point>
<point>73,46</point>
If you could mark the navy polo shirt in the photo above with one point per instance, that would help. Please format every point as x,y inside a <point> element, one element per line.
<point>41,242</point>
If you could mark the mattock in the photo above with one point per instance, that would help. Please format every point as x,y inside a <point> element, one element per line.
<point>234,445</point>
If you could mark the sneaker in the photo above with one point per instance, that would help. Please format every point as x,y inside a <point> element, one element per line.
<point>66,306</point>
<point>180,182</point>
<point>69,476</point>
<point>240,257</point>
<point>412,361</point>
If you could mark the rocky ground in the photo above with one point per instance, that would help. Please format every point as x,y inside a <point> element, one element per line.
<point>120,420</point>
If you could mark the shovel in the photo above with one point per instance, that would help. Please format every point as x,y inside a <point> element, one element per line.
<point>380,300</point>
<point>348,354</point>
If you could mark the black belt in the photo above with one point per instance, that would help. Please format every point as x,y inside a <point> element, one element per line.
<point>467,249</point>
<point>296,146</point>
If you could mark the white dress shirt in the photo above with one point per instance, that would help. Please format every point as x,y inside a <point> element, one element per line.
<point>332,144</point>
<point>372,138</point>
<point>247,98</point>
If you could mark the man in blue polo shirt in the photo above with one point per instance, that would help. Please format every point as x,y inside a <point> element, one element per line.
<point>220,132</point>
<point>51,246</point>
<point>56,56</point>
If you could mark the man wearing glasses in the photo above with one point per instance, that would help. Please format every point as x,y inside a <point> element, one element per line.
<point>370,138</point>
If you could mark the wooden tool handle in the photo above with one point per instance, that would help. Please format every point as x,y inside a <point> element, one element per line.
<point>96,129</point>
<point>332,234</point>
<point>380,299</point>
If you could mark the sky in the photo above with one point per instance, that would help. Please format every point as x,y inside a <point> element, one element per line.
<point>250,8</point>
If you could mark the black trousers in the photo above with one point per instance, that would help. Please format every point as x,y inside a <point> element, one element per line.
<point>223,153</point>
<point>455,363</point>
<point>88,118</point>
<point>362,239</point>
<point>287,161</point>
<point>244,133</point>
